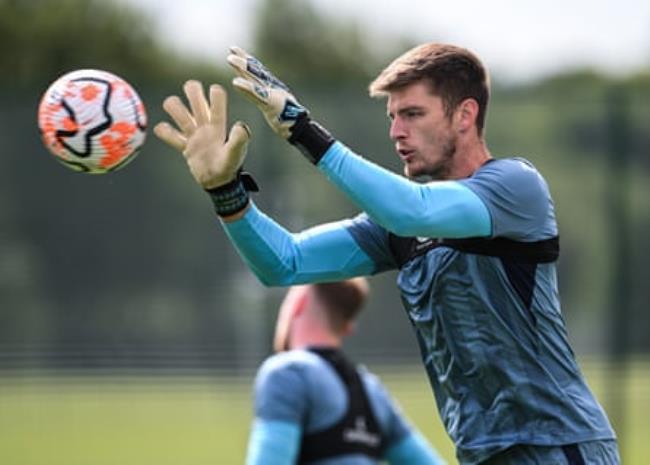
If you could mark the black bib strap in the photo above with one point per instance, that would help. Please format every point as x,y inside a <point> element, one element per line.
<point>404,249</point>
<point>357,432</point>
<point>544,251</point>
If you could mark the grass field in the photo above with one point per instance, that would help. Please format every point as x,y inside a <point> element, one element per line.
<point>204,421</point>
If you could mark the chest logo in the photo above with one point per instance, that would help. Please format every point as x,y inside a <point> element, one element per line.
<point>360,434</point>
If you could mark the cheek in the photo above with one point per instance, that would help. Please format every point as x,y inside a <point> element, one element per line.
<point>436,135</point>
<point>429,139</point>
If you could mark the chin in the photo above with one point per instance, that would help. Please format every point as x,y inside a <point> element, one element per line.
<point>411,173</point>
<point>408,170</point>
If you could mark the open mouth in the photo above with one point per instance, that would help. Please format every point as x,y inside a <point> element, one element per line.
<point>405,154</point>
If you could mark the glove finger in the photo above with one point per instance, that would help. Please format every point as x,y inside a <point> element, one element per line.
<point>180,114</point>
<point>249,67</point>
<point>236,146</point>
<point>238,59</point>
<point>170,136</point>
<point>240,65</point>
<point>219,109</point>
<point>198,103</point>
<point>235,50</point>
<point>256,93</point>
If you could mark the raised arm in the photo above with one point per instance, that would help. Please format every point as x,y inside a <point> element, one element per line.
<point>279,258</point>
<point>276,256</point>
<point>406,208</point>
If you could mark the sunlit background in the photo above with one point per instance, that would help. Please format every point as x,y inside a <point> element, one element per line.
<point>130,331</point>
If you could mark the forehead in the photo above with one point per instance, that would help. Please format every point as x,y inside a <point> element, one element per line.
<point>414,95</point>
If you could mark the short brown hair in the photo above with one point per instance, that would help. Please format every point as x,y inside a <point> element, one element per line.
<point>342,300</point>
<point>454,74</point>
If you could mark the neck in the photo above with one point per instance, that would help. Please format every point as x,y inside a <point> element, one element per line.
<point>468,159</point>
<point>315,339</point>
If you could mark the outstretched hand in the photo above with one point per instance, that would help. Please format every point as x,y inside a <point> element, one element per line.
<point>280,108</point>
<point>213,156</point>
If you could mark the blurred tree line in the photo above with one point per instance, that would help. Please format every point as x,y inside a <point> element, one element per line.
<point>132,267</point>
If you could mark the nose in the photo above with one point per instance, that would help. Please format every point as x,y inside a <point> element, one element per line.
<point>397,129</point>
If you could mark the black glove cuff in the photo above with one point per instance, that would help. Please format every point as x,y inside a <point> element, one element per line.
<point>310,138</point>
<point>233,197</point>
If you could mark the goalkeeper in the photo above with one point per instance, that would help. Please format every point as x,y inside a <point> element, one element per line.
<point>476,247</point>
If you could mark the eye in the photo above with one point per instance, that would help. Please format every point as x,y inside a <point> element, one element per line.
<point>411,114</point>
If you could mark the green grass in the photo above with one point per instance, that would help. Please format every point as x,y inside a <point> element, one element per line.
<point>133,422</point>
<point>205,421</point>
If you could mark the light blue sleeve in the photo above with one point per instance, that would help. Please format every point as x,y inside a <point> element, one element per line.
<point>435,209</point>
<point>280,408</point>
<point>279,258</point>
<point>273,443</point>
<point>281,389</point>
<point>413,450</point>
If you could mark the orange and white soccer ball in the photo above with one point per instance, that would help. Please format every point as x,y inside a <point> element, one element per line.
<point>92,121</point>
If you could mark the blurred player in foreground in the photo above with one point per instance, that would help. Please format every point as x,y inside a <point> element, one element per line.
<point>474,238</point>
<point>312,404</point>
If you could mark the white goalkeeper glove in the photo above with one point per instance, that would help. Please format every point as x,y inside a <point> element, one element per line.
<point>280,108</point>
<point>213,156</point>
<point>286,116</point>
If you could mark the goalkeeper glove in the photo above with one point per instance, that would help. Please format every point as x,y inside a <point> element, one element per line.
<point>214,157</point>
<point>286,116</point>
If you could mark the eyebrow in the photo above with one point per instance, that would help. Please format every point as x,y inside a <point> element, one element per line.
<point>406,109</point>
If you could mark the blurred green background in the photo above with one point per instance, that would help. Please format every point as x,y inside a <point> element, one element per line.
<point>129,328</point>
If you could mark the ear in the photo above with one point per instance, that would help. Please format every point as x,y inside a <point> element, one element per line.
<point>300,303</point>
<point>294,303</point>
<point>465,115</point>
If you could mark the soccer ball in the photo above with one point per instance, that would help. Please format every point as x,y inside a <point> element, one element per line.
<point>92,121</point>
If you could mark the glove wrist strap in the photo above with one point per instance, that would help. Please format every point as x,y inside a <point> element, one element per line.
<point>233,197</point>
<point>310,138</point>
